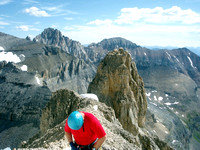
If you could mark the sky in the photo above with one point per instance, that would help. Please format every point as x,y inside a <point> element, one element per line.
<point>144,22</point>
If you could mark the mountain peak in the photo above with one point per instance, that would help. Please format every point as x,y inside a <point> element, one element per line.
<point>50,33</point>
<point>52,30</point>
<point>115,39</point>
<point>116,42</point>
<point>51,36</point>
<point>55,38</point>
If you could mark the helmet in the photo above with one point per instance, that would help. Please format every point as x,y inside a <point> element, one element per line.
<point>75,120</point>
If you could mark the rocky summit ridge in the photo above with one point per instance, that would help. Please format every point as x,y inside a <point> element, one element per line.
<point>130,101</point>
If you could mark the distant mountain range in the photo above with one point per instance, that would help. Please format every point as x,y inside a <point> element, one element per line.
<point>171,79</point>
<point>195,50</point>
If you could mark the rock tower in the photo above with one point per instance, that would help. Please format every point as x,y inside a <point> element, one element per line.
<point>118,84</point>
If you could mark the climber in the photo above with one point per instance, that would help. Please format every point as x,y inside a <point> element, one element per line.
<point>86,129</point>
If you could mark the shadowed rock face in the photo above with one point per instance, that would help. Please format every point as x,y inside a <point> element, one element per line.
<point>21,103</point>
<point>57,68</point>
<point>118,84</point>
<point>22,97</point>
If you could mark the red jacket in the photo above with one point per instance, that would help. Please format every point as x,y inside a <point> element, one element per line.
<point>89,132</point>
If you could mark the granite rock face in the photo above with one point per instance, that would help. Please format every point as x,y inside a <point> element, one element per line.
<point>118,84</point>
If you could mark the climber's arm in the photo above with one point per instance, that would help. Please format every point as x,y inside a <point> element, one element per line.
<point>99,142</point>
<point>69,136</point>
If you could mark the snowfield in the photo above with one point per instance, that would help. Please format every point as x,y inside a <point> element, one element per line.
<point>24,68</point>
<point>8,56</point>
<point>90,95</point>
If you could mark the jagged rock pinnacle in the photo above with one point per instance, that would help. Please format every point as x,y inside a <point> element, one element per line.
<point>118,84</point>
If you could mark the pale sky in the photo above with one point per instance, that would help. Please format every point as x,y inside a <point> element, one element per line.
<point>144,22</point>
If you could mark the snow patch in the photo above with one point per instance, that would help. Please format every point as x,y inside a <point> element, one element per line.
<point>95,107</point>
<point>155,98</point>
<point>154,91</point>
<point>176,59</point>
<point>145,54</point>
<point>148,94</point>
<point>160,98</point>
<point>9,57</point>
<point>38,80</point>
<point>168,104</point>
<point>191,63</point>
<point>1,48</point>
<point>166,95</point>
<point>175,103</point>
<point>166,132</point>
<point>24,68</point>
<point>174,141</point>
<point>90,95</point>
<point>154,104</point>
<point>169,56</point>
<point>7,148</point>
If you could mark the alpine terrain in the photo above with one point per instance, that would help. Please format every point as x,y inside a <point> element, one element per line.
<point>147,99</point>
<point>130,101</point>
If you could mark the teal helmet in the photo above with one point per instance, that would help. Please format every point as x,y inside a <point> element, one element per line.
<point>75,120</point>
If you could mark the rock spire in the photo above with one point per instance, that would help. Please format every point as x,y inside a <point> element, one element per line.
<point>118,84</point>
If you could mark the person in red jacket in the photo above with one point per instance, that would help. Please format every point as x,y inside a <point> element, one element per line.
<point>86,129</point>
